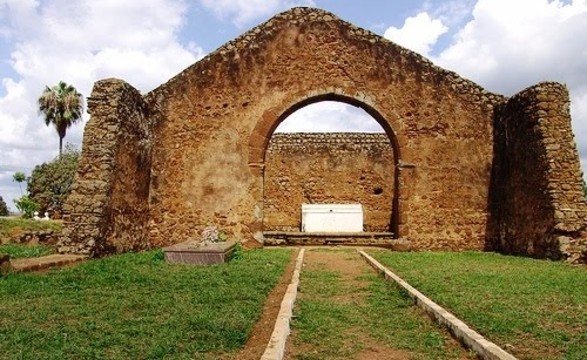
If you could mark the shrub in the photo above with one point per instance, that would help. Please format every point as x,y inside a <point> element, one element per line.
<point>50,183</point>
<point>3,207</point>
<point>26,206</point>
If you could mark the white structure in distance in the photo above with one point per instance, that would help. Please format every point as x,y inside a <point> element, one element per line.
<point>332,218</point>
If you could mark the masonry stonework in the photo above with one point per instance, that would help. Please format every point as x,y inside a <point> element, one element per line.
<point>330,168</point>
<point>108,210</point>
<point>537,203</point>
<point>155,169</point>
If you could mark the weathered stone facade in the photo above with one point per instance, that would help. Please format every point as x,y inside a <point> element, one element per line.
<point>335,168</point>
<point>108,209</point>
<point>537,203</point>
<point>192,152</point>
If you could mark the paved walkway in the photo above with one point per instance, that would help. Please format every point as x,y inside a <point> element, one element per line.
<point>45,262</point>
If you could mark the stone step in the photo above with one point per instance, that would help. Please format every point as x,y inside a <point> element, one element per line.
<point>45,262</point>
<point>383,239</point>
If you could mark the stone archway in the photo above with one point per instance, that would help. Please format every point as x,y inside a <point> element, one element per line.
<point>474,169</point>
<point>265,129</point>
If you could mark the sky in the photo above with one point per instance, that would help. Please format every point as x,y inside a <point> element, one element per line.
<point>503,45</point>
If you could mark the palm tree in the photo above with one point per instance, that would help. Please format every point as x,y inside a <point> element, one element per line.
<point>61,106</point>
<point>19,177</point>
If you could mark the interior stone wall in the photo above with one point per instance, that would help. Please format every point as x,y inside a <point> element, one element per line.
<point>107,209</point>
<point>325,168</point>
<point>537,202</point>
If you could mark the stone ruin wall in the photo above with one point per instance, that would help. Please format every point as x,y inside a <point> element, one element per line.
<point>220,113</point>
<point>537,203</point>
<point>323,168</point>
<point>107,210</point>
<point>460,180</point>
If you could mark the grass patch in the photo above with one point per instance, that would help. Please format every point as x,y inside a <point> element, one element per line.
<point>25,251</point>
<point>539,307</point>
<point>136,306</point>
<point>10,227</point>
<point>335,318</point>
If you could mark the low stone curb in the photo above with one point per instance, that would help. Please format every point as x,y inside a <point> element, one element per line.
<point>484,348</point>
<point>276,347</point>
<point>44,262</point>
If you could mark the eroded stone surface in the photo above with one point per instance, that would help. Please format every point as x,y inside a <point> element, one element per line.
<point>194,253</point>
<point>191,153</point>
<point>108,207</point>
<point>5,265</point>
<point>209,152</point>
<point>331,168</point>
<point>32,237</point>
<point>538,205</point>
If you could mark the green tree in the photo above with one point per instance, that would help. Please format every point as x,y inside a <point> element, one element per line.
<point>50,182</point>
<point>19,177</point>
<point>62,106</point>
<point>3,207</point>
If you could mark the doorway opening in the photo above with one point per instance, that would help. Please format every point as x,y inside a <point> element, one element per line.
<point>330,152</point>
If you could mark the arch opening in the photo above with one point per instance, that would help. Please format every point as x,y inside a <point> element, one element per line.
<point>305,161</point>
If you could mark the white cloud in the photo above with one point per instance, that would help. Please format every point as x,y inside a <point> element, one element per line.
<point>509,45</point>
<point>579,114</point>
<point>451,13</point>
<point>329,116</point>
<point>79,42</point>
<point>419,33</point>
<point>242,12</point>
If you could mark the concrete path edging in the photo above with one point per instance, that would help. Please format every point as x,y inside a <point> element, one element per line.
<point>484,348</point>
<point>275,349</point>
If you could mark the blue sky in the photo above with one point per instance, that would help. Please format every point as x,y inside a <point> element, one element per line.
<point>503,45</point>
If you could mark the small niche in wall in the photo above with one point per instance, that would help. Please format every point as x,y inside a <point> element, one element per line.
<point>377,190</point>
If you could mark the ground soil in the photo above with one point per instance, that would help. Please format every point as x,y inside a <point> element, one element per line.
<point>351,267</point>
<point>263,329</point>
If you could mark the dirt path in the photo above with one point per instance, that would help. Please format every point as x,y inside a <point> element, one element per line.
<point>345,311</point>
<point>261,333</point>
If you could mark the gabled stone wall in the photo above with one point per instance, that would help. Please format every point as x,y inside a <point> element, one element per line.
<point>473,170</point>
<point>219,115</point>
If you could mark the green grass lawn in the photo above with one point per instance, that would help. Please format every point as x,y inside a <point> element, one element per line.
<point>333,318</point>
<point>10,227</point>
<point>136,306</point>
<point>25,251</point>
<point>538,307</point>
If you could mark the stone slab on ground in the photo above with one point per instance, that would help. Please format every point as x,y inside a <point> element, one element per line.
<point>193,253</point>
<point>45,262</point>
